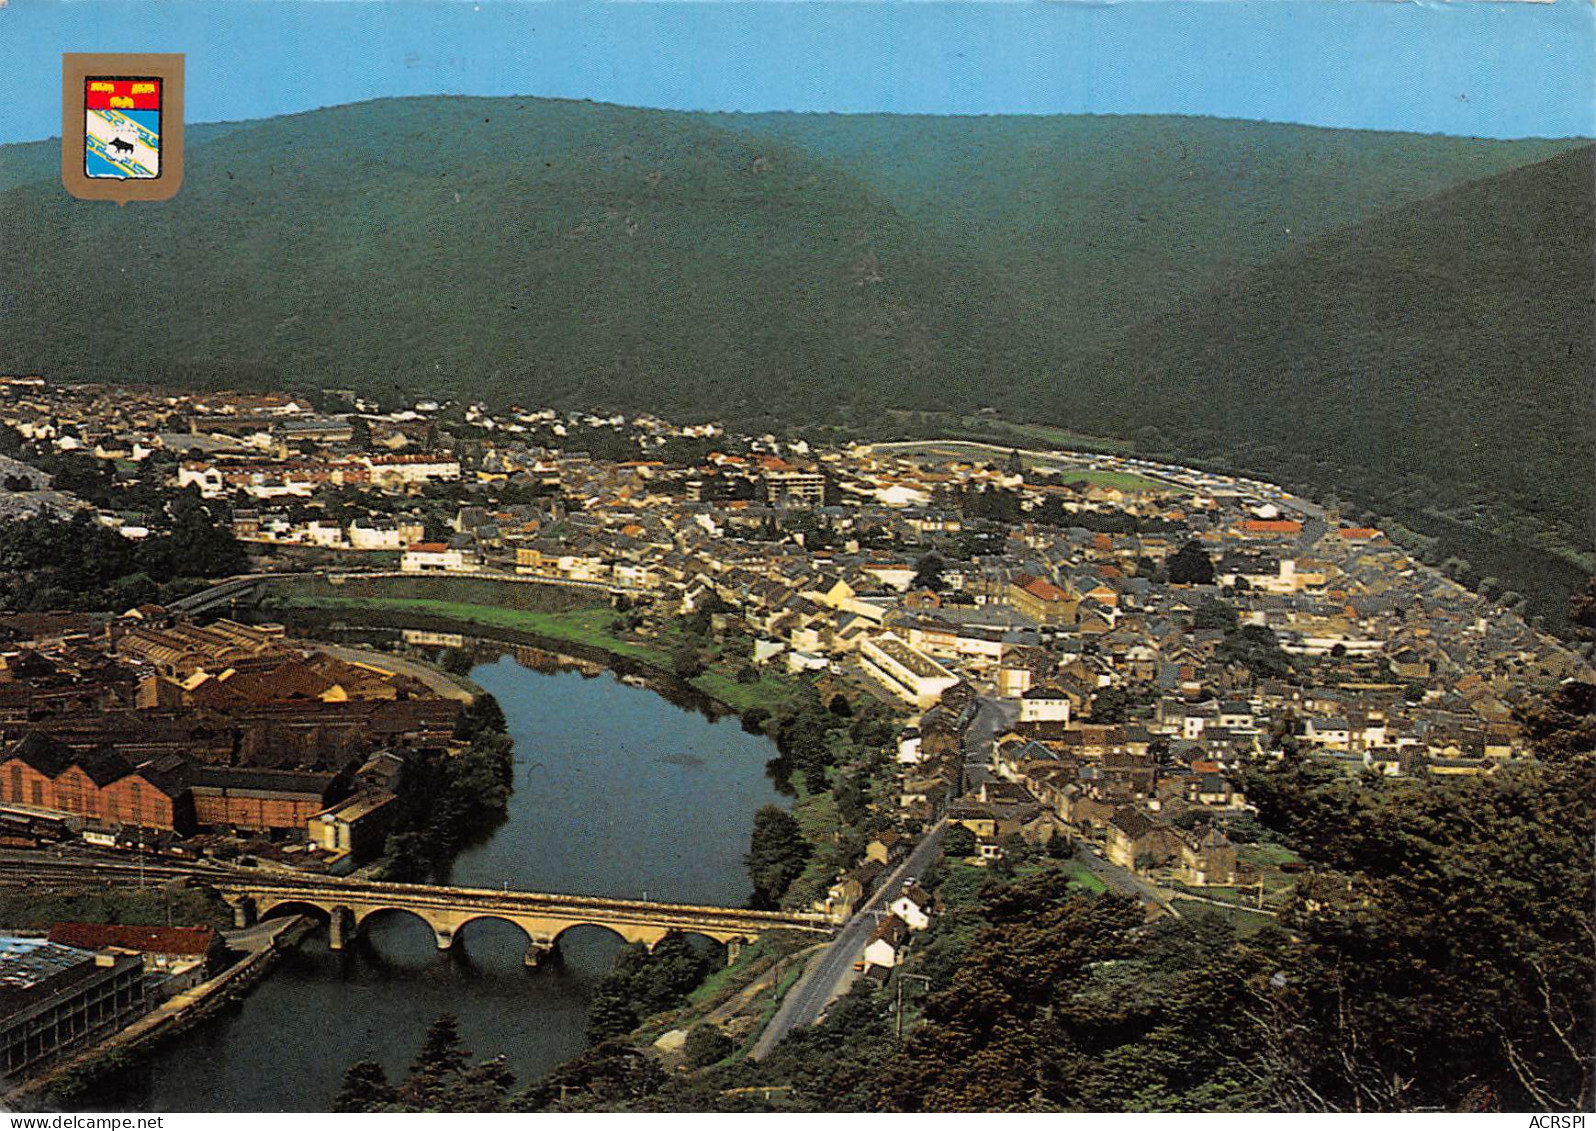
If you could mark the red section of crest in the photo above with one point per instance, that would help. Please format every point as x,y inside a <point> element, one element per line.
<point>122,94</point>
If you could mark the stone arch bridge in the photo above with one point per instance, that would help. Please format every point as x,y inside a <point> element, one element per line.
<point>349,903</point>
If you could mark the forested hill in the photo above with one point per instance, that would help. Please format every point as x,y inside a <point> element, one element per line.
<point>1340,297</point>
<point>1101,220</point>
<point>690,262</point>
<point>1439,358</point>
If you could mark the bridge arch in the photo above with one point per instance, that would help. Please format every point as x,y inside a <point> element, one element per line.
<point>541,947</point>
<point>626,932</point>
<point>269,908</point>
<point>713,946</point>
<point>365,913</point>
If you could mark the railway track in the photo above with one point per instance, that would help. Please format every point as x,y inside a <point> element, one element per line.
<point>19,871</point>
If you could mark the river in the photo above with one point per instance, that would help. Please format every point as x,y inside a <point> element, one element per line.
<point>618,792</point>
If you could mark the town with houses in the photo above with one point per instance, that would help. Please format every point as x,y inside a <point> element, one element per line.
<point>1079,646</point>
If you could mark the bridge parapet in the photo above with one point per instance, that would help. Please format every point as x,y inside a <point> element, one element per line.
<point>543,917</point>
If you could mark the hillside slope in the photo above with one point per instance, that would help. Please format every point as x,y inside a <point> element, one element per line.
<point>1439,357</point>
<point>1106,219</point>
<point>561,251</point>
<point>588,254</point>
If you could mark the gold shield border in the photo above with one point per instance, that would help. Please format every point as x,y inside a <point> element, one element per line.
<point>76,69</point>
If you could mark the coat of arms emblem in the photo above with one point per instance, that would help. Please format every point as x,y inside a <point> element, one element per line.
<point>122,128</point>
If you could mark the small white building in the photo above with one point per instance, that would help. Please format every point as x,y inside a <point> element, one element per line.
<point>327,534</point>
<point>887,944</point>
<point>368,537</point>
<point>913,907</point>
<point>1044,704</point>
<point>204,476</point>
<point>432,557</point>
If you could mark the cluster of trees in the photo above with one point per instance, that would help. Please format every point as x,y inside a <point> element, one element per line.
<point>442,1078</point>
<point>1447,934</point>
<point>1190,565</point>
<point>77,563</point>
<point>1212,613</point>
<point>1116,703</point>
<point>777,854</point>
<point>1255,647</point>
<point>445,803</point>
<point>812,736</point>
<point>641,983</point>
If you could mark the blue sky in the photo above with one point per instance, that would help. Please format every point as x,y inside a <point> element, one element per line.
<point>1469,68</point>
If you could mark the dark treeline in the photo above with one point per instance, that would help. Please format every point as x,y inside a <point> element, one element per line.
<point>449,801</point>
<point>80,564</point>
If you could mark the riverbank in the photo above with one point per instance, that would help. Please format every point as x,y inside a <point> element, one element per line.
<point>715,691</point>
<point>439,682</point>
<point>584,634</point>
<point>118,1052</point>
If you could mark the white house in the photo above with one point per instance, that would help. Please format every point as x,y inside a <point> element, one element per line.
<point>328,534</point>
<point>432,557</point>
<point>385,537</point>
<point>206,477</point>
<point>913,907</point>
<point>886,945</point>
<point>1044,704</point>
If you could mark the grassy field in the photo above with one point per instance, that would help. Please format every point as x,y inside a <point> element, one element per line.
<point>1082,876</point>
<point>590,626</point>
<point>1120,480</point>
<point>1246,922</point>
<point>770,692</point>
<point>1267,855</point>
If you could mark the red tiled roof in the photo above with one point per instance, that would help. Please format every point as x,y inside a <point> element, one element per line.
<point>1045,590</point>
<point>194,941</point>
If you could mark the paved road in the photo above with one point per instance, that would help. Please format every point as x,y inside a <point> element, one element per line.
<point>1120,879</point>
<point>992,717</point>
<point>430,677</point>
<point>823,979</point>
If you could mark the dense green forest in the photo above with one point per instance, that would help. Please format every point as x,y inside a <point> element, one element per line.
<point>1400,320</point>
